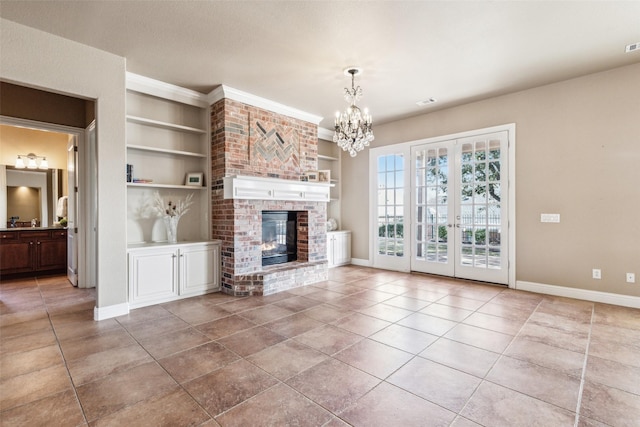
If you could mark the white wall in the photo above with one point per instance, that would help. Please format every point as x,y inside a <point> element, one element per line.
<point>44,61</point>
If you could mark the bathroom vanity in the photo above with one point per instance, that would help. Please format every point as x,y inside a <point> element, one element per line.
<point>33,251</point>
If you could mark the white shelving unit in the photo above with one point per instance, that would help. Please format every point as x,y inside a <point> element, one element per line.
<point>329,159</point>
<point>166,139</point>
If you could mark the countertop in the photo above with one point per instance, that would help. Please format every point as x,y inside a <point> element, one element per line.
<point>32,228</point>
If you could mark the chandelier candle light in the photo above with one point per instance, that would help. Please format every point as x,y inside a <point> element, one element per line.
<point>353,127</point>
<point>171,213</point>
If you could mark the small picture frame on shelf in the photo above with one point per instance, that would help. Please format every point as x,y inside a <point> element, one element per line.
<point>324,176</point>
<point>304,178</point>
<point>312,176</point>
<point>194,179</point>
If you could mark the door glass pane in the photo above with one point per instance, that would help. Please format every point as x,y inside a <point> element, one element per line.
<point>480,205</point>
<point>431,170</point>
<point>390,210</point>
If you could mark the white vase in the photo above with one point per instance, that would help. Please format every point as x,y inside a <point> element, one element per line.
<point>171,224</point>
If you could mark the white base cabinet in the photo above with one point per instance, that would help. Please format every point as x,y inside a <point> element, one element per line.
<point>338,248</point>
<point>161,272</point>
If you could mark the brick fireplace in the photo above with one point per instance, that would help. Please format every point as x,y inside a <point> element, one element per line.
<point>257,159</point>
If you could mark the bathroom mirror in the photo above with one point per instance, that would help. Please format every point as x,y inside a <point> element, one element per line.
<point>33,194</point>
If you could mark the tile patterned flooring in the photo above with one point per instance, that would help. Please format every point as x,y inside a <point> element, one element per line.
<point>365,348</point>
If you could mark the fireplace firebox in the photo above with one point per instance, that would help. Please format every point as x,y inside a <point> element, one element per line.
<point>279,237</point>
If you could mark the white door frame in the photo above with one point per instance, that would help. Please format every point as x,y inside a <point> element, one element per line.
<point>85,217</point>
<point>405,149</point>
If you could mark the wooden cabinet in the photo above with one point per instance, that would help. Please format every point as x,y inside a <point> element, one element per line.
<point>33,251</point>
<point>161,273</point>
<point>338,248</point>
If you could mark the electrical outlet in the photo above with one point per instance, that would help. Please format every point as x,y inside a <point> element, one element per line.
<point>596,273</point>
<point>631,278</point>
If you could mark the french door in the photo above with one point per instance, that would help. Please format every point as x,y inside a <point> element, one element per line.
<point>460,209</point>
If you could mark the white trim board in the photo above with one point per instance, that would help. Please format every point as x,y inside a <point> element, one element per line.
<point>115,310</point>
<point>583,294</point>
<point>223,91</point>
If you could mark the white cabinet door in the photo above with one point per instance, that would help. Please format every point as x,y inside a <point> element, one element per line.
<point>338,248</point>
<point>199,269</point>
<point>153,276</point>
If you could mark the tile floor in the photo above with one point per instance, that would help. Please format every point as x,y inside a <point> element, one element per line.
<point>366,348</point>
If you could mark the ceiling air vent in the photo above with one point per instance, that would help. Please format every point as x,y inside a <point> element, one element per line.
<point>426,102</point>
<point>632,47</point>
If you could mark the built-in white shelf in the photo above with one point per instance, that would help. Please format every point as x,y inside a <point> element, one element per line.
<point>260,188</point>
<point>329,158</point>
<point>164,125</point>
<point>166,151</point>
<point>154,185</point>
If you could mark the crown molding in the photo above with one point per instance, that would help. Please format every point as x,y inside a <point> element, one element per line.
<point>223,91</point>
<point>154,87</point>
<point>325,134</point>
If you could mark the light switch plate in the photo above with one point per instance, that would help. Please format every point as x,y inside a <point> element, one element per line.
<point>545,217</point>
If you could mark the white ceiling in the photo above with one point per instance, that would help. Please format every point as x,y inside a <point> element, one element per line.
<point>294,52</point>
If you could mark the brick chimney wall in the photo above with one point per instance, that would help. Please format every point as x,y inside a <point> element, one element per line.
<point>250,141</point>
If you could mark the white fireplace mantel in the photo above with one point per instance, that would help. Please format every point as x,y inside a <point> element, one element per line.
<point>259,188</point>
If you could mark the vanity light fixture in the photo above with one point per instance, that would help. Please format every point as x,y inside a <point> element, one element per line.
<point>32,162</point>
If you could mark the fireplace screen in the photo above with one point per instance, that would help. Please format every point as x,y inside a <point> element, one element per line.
<point>279,237</point>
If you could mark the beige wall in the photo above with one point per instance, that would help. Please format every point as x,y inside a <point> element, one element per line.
<point>37,59</point>
<point>577,154</point>
<point>15,140</point>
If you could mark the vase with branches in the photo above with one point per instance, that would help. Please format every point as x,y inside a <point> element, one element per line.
<point>171,212</point>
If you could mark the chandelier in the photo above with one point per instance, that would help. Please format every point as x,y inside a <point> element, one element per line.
<point>353,127</point>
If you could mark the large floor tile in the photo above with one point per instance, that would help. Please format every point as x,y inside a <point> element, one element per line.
<point>328,339</point>
<point>539,353</point>
<point>14,364</point>
<point>293,325</point>
<point>361,324</point>
<point>333,384</point>
<point>448,312</point>
<point>374,358</point>
<point>429,324</point>
<point>224,327</point>
<point>437,383</point>
<point>404,338</point>
<point>386,312</point>
<point>56,410</point>
<point>175,408</point>
<point>545,384</point>
<point>287,359</point>
<point>32,386</point>
<point>197,361</point>
<point>225,388</point>
<point>480,337</point>
<point>494,405</point>
<point>610,405</point>
<point>387,405</point>
<point>117,391</point>
<point>278,406</point>
<point>613,374</point>
<point>173,342</point>
<point>463,357</point>
<point>251,341</point>
<point>97,365</point>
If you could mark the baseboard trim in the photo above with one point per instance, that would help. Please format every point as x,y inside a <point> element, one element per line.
<point>102,313</point>
<point>361,262</point>
<point>584,294</point>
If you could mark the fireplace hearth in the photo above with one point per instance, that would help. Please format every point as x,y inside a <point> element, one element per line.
<point>279,237</point>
